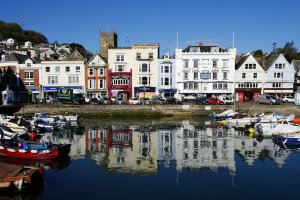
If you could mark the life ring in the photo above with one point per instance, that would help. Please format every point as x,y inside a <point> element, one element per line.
<point>11,150</point>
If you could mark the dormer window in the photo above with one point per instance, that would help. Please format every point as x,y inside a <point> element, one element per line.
<point>28,64</point>
<point>138,55</point>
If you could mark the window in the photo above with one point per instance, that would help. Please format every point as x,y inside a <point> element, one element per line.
<point>277,85</point>
<point>117,81</point>
<point>101,71</point>
<point>205,75</point>
<point>167,81</point>
<point>196,86</point>
<point>52,80</point>
<point>120,58</point>
<point>186,63</point>
<point>150,55</point>
<point>167,69</point>
<point>215,85</point>
<point>215,75</point>
<point>47,69</point>
<point>225,75</point>
<point>196,63</point>
<point>29,83</point>
<point>162,81</point>
<point>144,68</point>
<point>191,86</point>
<point>220,86</point>
<point>57,69</point>
<point>28,64</point>
<point>144,80</point>
<point>214,63</point>
<point>67,69</point>
<point>246,66</point>
<point>243,75</point>
<point>91,72</point>
<point>73,79</point>
<point>185,76</point>
<point>138,55</point>
<point>225,86</point>
<point>101,84</point>
<point>254,75</point>
<point>162,69</point>
<point>225,63</point>
<point>29,75</point>
<point>196,76</point>
<point>279,65</point>
<point>185,86</point>
<point>254,66</point>
<point>91,84</point>
<point>77,68</point>
<point>120,68</point>
<point>278,75</point>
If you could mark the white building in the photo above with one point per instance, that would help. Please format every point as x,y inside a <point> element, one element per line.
<point>249,78</point>
<point>280,75</point>
<point>67,74</point>
<point>205,70</point>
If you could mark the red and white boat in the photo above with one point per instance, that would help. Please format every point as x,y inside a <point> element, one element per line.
<point>54,151</point>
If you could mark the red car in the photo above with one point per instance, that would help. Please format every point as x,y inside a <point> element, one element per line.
<point>215,101</point>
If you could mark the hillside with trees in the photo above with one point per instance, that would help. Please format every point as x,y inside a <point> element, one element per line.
<point>13,30</point>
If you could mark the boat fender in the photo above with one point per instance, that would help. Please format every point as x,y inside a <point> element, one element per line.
<point>22,151</point>
<point>11,150</point>
<point>45,151</point>
<point>33,151</point>
<point>1,147</point>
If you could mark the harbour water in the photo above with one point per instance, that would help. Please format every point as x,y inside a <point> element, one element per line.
<point>179,160</point>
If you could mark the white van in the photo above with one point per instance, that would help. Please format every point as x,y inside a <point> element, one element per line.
<point>226,99</point>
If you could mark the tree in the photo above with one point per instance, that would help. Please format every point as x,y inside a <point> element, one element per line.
<point>258,53</point>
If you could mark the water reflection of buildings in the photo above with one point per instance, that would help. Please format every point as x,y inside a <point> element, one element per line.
<point>139,149</point>
<point>123,149</point>
<point>211,148</point>
<point>252,149</point>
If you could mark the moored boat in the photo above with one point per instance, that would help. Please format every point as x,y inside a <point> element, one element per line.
<point>35,152</point>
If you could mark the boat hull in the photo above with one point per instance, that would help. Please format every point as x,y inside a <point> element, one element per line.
<point>59,151</point>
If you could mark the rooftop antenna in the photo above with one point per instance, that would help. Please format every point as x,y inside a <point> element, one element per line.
<point>233,39</point>
<point>177,41</point>
<point>22,21</point>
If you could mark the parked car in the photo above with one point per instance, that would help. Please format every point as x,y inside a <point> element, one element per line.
<point>120,101</point>
<point>268,99</point>
<point>145,100</point>
<point>158,100</point>
<point>201,100</point>
<point>104,101</point>
<point>288,99</point>
<point>215,101</point>
<point>134,100</point>
<point>93,101</point>
<point>173,100</point>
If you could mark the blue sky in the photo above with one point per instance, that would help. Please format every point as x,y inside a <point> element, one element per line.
<point>257,24</point>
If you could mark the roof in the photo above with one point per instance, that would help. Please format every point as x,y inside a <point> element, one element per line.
<point>20,58</point>
<point>296,64</point>
<point>76,56</point>
<point>241,61</point>
<point>202,48</point>
<point>266,61</point>
<point>104,59</point>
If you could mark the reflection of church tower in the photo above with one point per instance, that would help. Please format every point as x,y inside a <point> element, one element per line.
<point>107,40</point>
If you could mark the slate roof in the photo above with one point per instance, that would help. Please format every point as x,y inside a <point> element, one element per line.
<point>20,58</point>
<point>76,56</point>
<point>241,61</point>
<point>296,64</point>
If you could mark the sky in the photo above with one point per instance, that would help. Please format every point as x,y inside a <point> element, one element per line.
<point>256,24</point>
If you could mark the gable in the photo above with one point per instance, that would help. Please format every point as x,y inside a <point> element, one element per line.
<point>250,60</point>
<point>96,60</point>
<point>280,61</point>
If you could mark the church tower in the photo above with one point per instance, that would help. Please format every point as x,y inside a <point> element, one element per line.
<point>107,40</point>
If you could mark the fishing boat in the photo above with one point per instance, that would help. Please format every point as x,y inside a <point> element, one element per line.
<point>225,115</point>
<point>241,122</point>
<point>35,151</point>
